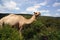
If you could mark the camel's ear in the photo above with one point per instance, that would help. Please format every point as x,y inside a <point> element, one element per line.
<point>34,12</point>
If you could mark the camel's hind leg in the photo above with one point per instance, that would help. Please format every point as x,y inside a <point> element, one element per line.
<point>1,24</point>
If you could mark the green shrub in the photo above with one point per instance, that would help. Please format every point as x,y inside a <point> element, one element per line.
<point>38,31</point>
<point>9,33</point>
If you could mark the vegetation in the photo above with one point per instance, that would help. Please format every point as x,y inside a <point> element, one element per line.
<point>45,28</point>
<point>8,33</point>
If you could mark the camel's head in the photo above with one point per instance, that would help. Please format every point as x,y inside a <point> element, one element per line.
<point>37,13</point>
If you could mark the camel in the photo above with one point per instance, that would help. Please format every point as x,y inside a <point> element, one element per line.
<point>14,19</point>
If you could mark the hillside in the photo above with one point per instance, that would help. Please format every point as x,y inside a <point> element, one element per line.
<point>45,28</point>
<point>43,19</point>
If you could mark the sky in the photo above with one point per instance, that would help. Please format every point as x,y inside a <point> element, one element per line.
<point>45,7</point>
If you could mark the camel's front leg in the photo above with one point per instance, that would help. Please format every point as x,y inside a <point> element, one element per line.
<point>20,28</point>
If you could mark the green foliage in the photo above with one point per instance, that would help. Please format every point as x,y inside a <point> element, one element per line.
<point>8,33</point>
<point>43,29</point>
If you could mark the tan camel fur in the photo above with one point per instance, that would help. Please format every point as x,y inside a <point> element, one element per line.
<point>13,19</point>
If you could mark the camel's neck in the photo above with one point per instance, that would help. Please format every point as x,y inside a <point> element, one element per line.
<point>28,21</point>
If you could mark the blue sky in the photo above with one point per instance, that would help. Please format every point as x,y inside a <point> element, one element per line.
<point>46,7</point>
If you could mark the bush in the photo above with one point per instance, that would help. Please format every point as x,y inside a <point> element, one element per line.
<point>8,33</point>
<point>38,31</point>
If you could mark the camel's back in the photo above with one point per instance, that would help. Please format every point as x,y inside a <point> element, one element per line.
<point>12,19</point>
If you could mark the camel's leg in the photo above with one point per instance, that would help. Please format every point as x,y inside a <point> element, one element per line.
<point>20,29</point>
<point>0,25</point>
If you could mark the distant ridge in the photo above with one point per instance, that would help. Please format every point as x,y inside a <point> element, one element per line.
<point>5,14</point>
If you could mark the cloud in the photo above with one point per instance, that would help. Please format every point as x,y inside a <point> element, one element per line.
<point>2,11</point>
<point>17,8</point>
<point>56,4</point>
<point>43,3</point>
<point>58,10</point>
<point>46,11</point>
<point>36,6</point>
<point>11,5</point>
<point>33,8</point>
<point>8,7</point>
<point>24,12</point>
<point>54,15</point>
<point>57,15</point>
<point>47,14</point>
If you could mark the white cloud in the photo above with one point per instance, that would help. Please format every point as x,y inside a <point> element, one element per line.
<point>56,4</point>
<point>11,5</point>
<point>47,14</point>
<point>48,5</point>
<point>24,12</point>
<point>58,10</point>
<point>2,11</point>
<point>57,15</point>
<point>33,8</point>
<point>30,9</point>
<point>46,11</point>
<point>53,15</point>
<point>36,6</point>
<point>43,3</point>
<point>17,8</point>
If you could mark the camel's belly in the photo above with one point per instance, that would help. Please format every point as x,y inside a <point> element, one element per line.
<point>11,20</point>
